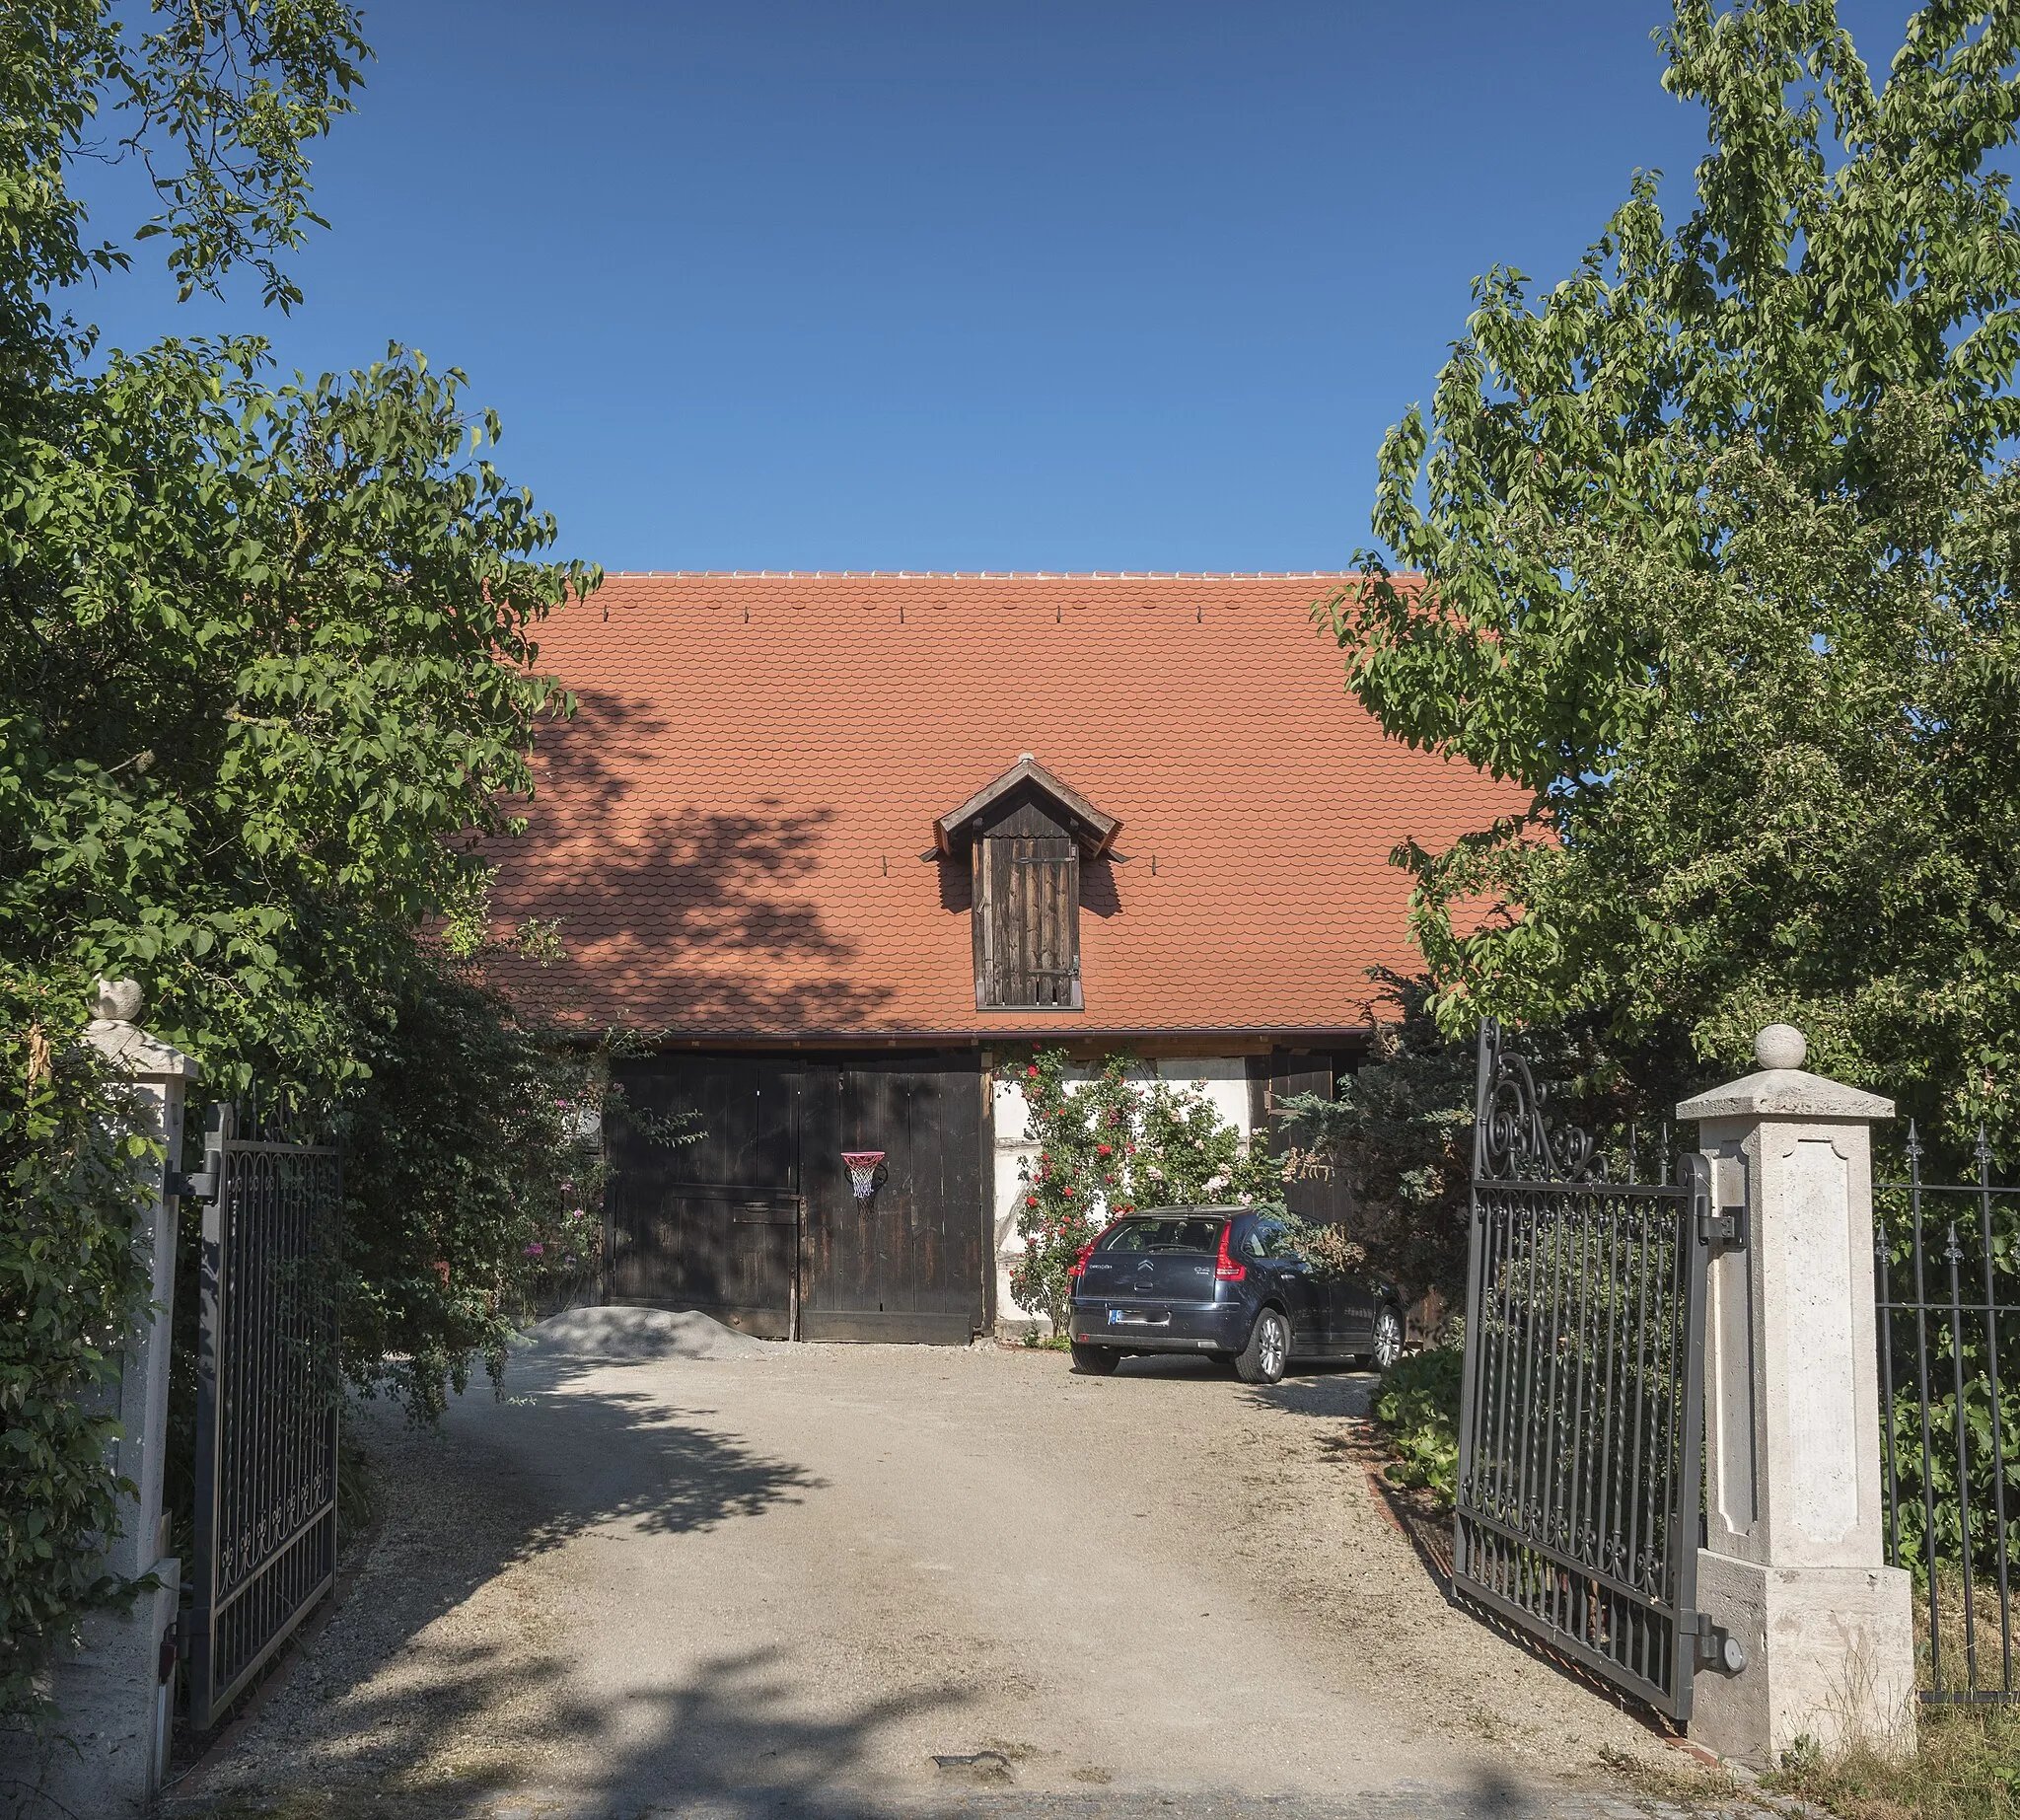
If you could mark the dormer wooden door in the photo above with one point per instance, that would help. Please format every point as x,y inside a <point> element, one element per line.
<point>1027,914</point>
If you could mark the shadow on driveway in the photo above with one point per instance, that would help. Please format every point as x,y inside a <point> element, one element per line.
<point>1318,1389</point>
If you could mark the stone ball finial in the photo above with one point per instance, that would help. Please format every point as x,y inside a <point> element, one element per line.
<point>116,1002</point>
<point>1780,1046</point>
<point>1025,757</point>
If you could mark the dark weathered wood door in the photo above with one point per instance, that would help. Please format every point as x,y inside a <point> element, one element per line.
<point>757,1225</point>
<point>713,1224</point>
<point>909,1264</point>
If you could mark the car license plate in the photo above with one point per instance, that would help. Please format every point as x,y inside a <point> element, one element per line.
<point>1114,1317</point>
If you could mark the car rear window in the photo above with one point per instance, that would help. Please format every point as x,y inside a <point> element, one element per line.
<point>1193,1232</point>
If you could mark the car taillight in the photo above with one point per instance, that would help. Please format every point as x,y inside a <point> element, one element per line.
<point>1225,1269</point>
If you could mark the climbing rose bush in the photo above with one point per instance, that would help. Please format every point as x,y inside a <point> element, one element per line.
<point>1106,1146</point>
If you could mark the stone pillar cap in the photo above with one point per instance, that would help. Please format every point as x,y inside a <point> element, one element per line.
<point>131,1051</point>
<point>1783,1089</point>
<point>123,1043</point>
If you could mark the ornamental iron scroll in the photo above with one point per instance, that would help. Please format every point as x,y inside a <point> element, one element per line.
<point>1517,1136</point>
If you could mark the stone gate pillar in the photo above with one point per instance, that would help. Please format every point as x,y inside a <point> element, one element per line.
<point>1793,1567</point>
<point>107,1750</point>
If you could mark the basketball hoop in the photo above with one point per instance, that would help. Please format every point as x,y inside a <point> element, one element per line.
<point>865,1171</point>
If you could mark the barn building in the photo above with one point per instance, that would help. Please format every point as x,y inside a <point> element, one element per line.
<point>834,850</point>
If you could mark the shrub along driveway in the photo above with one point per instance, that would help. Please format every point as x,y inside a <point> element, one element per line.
<point>799,1575</point>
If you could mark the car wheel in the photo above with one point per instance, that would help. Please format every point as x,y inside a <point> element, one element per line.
<point>1096,1361</point>
<point>1387,1341</point>
<point>1263,1359</point>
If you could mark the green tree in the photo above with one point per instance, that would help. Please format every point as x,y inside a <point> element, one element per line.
<point>268,670</point>
<point>1712,545</point>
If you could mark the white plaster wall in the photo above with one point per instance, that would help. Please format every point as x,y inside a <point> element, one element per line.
<point>1224,1079</point>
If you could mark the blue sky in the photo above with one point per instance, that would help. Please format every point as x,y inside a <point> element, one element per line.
<point>975,284</point>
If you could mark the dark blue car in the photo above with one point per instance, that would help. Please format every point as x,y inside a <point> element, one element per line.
<point>1225,1283</point>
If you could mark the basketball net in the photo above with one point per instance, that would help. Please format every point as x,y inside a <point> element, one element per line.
<point>862,1171</point>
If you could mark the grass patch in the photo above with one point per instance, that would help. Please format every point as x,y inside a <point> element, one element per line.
<point>1037,1342</point>
<point>356,1491</point>
<point>1670,1776</point>
<point>1966,1767</point>
<point>1416,1404</point>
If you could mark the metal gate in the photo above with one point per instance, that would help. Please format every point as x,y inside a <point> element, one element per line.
<point>267,1393</point>
<point>1946,1280</point>
<point>1581,1420</point>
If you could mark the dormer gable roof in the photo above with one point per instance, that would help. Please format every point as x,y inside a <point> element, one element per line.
<point>1093,832</point>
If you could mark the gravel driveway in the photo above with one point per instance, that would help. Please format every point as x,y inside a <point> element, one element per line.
<point>822,1576</point>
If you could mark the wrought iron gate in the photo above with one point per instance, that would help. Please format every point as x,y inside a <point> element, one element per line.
<point>266,1400</point>
<point>1946,1257</point>
<point>1581,1421</point>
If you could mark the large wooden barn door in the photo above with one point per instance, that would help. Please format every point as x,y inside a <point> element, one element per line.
<point>712,1224</point>
<point>756,1224</point>
<point>907,1263</point>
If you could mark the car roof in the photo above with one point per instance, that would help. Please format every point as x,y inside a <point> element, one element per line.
<point>1222,1213</point>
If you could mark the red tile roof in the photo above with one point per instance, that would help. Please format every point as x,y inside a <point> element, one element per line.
<point>729,833</point>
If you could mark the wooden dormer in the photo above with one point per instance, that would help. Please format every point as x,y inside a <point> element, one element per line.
<point>1025,836</point>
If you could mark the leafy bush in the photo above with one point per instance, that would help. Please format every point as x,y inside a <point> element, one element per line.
<point>472,1183</point>
<point>72,1284</point>
<point>1326,1248</point>
<point>1399,1134</point>
<point>1417,1404</point>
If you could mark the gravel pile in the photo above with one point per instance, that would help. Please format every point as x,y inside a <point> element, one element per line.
<point>643,1332</point>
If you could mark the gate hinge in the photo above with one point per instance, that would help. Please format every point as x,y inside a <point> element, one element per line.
<point>1723,1228</point>
<point>201,1183</point>
<point>1714,1646</point>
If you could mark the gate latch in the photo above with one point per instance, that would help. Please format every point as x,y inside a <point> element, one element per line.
<point>1723,1228</point>
<point>1717,1646</point>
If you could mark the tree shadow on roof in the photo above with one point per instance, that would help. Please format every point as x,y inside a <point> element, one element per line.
<point>684,917</point>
